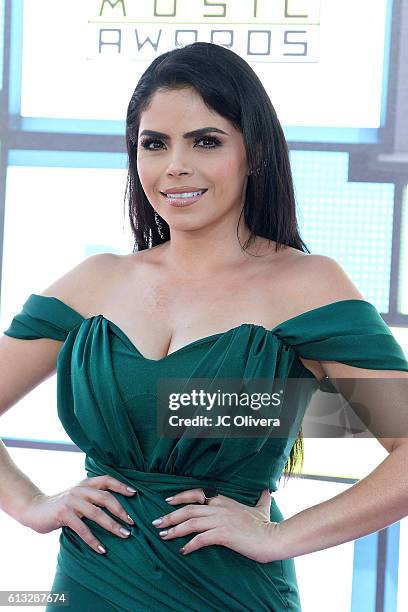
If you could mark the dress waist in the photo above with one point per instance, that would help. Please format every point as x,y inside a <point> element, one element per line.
<point>145,572</point>
<point>165,484</point>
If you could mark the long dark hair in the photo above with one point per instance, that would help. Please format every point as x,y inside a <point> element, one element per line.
<point>228,86</point>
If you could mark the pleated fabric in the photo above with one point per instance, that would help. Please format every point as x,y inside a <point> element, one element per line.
<point>107,403</point>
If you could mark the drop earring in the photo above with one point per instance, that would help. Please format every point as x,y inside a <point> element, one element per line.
<point>258,170</point>
<point>158,224</point>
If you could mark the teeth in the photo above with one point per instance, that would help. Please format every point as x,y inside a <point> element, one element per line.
<point>184,195</point>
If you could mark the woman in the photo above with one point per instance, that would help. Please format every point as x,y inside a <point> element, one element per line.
<point>193,302</point>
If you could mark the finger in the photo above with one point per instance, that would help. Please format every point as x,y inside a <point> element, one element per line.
<point>75,523</point>
<point>98,515</point>
<point>190,496</point>
<point>108,482</point>
<point>189,511</point>
<point>206,538</point>
<point>193,525</point>
<point>109,501</point>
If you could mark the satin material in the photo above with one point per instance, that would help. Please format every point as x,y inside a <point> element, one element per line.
<point>106,401</point>
<point>76,597</point>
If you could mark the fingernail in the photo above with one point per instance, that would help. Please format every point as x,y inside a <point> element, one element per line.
<point>130,519</point>
<point>157,521</point>
<point>182,550</point>
<point>169,498</point>
<point>125,532</point>
<point>131,490</point>
<point>101,548</point>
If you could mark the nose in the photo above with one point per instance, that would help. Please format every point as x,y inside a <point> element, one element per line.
<point>174,170</point>
<point>178,166</point>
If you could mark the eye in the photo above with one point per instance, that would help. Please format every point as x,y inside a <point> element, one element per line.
<point>215,141</point>
<point>212,139</point>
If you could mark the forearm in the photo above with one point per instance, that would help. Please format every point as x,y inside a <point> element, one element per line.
<point>16,489</point>
<point>372,503</point>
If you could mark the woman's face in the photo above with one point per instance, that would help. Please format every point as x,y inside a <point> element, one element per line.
<point>215,161</point>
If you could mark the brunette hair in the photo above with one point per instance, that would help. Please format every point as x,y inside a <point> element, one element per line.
<point>228,86</point>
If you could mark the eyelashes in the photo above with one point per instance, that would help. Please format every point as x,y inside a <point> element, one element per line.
<point>215,141</point>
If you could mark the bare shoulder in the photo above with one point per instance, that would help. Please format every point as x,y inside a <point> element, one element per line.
<point>308,281</point>
<point>81,287</point>
<point>323,280</point>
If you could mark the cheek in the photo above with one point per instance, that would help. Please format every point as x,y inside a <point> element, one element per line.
<point>226,169</point>
<point>146,176</point>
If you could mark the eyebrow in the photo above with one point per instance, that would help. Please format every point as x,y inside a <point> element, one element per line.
<point>192,134</point>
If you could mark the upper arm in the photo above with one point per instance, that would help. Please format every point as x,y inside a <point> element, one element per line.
<point>370,398</point>
<point>377,397</point>
<point>24,364</point>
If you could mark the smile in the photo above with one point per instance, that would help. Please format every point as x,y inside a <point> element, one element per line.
<point>183,199</point>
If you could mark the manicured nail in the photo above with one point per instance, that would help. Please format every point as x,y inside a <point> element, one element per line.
<point>125,532</point>
<point>169,498</point>
<point>101,548</point>
<point>131,490</point>
<point>157,521</point>
<point>130,519</point>
<point>182,550</point>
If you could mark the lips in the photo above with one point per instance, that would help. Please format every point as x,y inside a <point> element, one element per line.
<point>178,202</point>
<point>183,190</point>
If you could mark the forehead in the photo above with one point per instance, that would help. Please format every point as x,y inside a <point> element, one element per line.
<point>176,109</point>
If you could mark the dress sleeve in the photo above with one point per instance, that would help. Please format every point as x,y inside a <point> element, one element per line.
<point>349,331</point>
<point>43,316</point>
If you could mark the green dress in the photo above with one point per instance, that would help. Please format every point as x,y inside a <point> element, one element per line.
<point>107,405</point>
